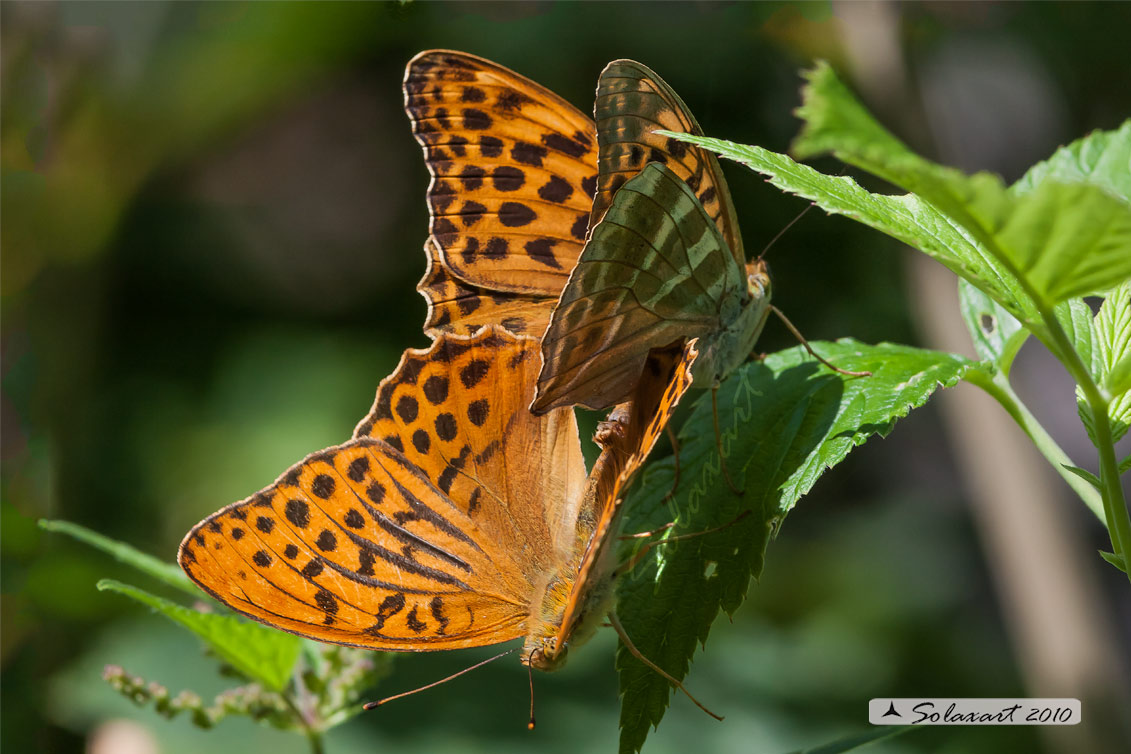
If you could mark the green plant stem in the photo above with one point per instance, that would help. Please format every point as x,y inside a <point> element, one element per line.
<point>313,735</point>
<point>1115,507</point>
<point>999,388</point>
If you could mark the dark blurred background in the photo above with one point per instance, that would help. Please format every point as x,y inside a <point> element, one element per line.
<point>213,216</point>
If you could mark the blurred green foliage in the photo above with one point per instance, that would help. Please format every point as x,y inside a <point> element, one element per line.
<point>213,216</point>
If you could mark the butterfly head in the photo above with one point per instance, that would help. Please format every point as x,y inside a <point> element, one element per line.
<point>723,352</point>
<point>545,654</point>
<point>758,279</point>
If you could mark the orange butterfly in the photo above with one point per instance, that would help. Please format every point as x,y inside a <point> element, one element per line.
<point>453,518</point>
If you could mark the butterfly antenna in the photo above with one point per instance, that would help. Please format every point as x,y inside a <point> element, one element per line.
<point>615,621</point>
<point>789,225</point>
<point>797,334</point>
<point>781,232</point>
<point>386,700</point>
<point>530,673</point>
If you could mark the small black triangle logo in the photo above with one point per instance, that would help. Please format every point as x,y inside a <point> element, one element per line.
<point>891,711</point>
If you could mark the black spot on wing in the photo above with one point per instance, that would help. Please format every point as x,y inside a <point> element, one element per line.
<point>471,177</point>
<point>473,373</point>
<point>436,607</point>
<point>528,154</point>
<point>476,120</point>
<point>497,248</point>
<point>507,178</point>
<point>490,146</point>
<point>556,190</point>
<point>298,513</point>
<point>580,227</point>
<point>436,389</point>
<point>565,144</point>
<point>407,409</point>
<point>477,411</point>
<point>542,250</point>
<point>358,468</point>
<point>516,215</point>
<point>323,486</point>
<point>414,623</point>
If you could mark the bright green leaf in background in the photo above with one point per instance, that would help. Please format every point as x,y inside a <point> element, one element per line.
<point>996,333</point>
<point>1028,247</point>
<point>784,421</point>
<point>1075,318</point>
<point>1062,236</point>
<point>262,654</point>
<point>1111,361</point>
<point>997,337</point>
<point>1114,559</point>
<point>1102,158</point>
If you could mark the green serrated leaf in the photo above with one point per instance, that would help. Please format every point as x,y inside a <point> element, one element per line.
<point>1086,475</point>
<point>1125,465</point>
<point>1056,240</point>
<point>835,122</point>
<point>1075,318</point>
<point>261,654</point>
<point>1101,158</point>
<point>784,421</point>
<point>1114,559</point>
<point>1062,238</point>
<point>1119,378</point>
<point>1084,411</point>
<point>906,218</point>
<point>996,333</point>
<point>168,573</point>
<point>1065,239</point>
<point>1113,351</point>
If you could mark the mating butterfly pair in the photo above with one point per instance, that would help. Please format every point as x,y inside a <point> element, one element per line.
<point>456,516</point>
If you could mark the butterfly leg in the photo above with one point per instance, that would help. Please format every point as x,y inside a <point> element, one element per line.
<point>615,621</point>
<point>719,441</point>
<point>637,557</point>
<point>801,338</point>
<point>675,455</point>
<point>646,534</point>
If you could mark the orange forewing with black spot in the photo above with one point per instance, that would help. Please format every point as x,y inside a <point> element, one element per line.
<point>432,529</point>
<point>514,169</point>
<point>453,518</point>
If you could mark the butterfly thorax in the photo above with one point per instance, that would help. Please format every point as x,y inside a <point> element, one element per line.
<point>547,645</point>
<point>574,603</point>
<point>742,318</point>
